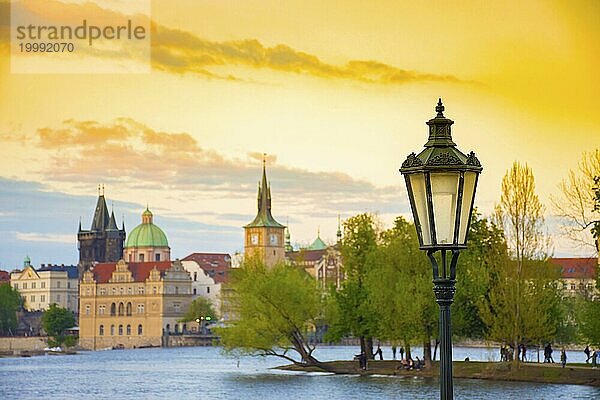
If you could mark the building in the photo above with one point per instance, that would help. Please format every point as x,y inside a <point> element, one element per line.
<point>578,275</point>
<point>208,271</point>
<point>147,242</point>
<point>132,304</point>
<point>103,242</point>
<point>263,237</point>
<point>49,284</point>
<point>4,277</point>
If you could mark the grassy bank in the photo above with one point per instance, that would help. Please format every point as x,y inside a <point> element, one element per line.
<point>575,374</point>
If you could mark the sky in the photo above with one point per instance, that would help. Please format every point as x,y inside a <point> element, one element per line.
<point>336,93</point>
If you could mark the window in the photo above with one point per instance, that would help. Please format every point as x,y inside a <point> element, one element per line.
<point>129,329</point>
<point>177,307</point>
<point>113,309</point>
<point>121,290</point>
<point>58,284</point>
<point>87,291</point>
<point>101,331</point>
<point>120,330</point>
<point>573,286</point>
<point>87,309</point>
<point>101,310</point>
<point>43,285</point>
<point>58,297</point>
<point>154,290</point>
<point>157,257</point>
<point>208,289</point>
<point>140,290</point>
<point>194,290</point>
<point>140,329</point>
<point>176,289</point>
<point>16,285</point>
<point>128,309</point>
<point>24,285</point>
<point>195,276</point>
<point>43,298</point>
<point>112,330</point>
<point>141,258</point>
<point>140,308</point>
<point>33,285</point>
<point>121,309</point>
<point>68,285</point>
<point>102,291</point>
<point>114,290</point>
<point>32,298</point>
<point>129,290</point>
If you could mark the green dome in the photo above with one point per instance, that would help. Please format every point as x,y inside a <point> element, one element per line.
<point>146,234</point>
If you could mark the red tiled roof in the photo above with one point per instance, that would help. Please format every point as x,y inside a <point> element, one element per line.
<point>216,265</point>
<point>578,268</point>
<point>4,276</point>
<point>140,270</point>
<point>305,255</point>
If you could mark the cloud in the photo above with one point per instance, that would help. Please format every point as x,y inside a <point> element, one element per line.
<point>45,237</point>
<point>180,52</point>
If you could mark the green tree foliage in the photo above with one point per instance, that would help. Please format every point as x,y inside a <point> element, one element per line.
<point>10,302</point>
<point>274,310</point>
<point>588,321</point>
<point>350,310</point>
<point>399,283</point>
<point>200,307</point>
<point>55,321</point>
<point>522,305</point>
<point>475,268</point>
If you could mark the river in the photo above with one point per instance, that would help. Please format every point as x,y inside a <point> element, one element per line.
<point>205,373</point>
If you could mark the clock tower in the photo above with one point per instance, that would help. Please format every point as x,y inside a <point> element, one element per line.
<point>263,237</point>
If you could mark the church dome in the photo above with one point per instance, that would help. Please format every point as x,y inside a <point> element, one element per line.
<point>147,234</point>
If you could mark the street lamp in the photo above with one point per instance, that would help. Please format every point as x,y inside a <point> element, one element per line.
<point>441,182</point>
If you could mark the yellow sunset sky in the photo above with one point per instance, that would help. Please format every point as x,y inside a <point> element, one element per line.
<point>337,94</point>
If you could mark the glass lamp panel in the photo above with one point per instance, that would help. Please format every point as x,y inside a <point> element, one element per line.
<point>467,204</point>
<point>444,192</point>
<point>420,210</point>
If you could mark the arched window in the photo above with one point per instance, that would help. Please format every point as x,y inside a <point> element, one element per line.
<point>168,328</point>
<point>121,309</point>
<point>184,328</point>
<point>141,258</point>
<point>113,309</point>
<point>87,309</point>
<point>128,308</point>
<point>176,328</point>
<point>139,329</point>
<point>120,330</point>
<point>112,330</point>
<point>129,329</point>
<point>101,330</point>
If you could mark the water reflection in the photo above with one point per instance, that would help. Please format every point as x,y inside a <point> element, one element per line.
<point>204,373</point>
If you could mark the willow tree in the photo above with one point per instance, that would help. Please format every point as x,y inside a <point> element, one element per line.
<point>273,310</point>
<point>577,203</point>
<point>521,304</point>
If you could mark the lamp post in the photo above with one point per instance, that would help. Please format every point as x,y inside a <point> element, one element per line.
<point>441,182</point>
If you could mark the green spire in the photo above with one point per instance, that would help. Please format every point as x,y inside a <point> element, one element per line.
<point>263,217</point>
<point>318,244</point>
<point>27,262</point>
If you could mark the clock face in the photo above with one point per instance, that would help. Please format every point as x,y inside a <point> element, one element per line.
<point>254,238</point>
<point>273,239</point>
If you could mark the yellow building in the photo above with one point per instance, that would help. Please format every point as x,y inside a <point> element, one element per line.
<point>132,304</point>
<point>47,285</point>
<point>263,237</point>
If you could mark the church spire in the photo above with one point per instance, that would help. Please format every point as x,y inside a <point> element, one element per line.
<point>101,217</point>
<point>339,231</point>
<point>264,217</point>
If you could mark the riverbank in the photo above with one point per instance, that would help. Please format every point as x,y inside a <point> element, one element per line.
<point>574,374</point>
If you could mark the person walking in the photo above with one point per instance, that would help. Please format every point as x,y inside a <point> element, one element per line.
<point>401,353</point>
<point>563,357</point>
<point>550,359</point>
<point>587,354</point>
<point>394,352</point>
<point>380,352</point>
<point>594,358</point>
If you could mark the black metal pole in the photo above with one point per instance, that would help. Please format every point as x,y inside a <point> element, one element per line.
<point>444,293</point>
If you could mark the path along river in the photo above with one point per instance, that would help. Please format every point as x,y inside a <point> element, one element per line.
<point>205,373</point>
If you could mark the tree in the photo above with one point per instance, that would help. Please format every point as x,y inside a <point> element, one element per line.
<point>399,286</point>
<point>486,249</point>
<point>55,321</point>
<point>588,323</point>
<point>522,300</point>
<point>200,307</point>
<point>576,202</point>
<point>350,310</point>
<point>10,302</point>
<point>274,310</point>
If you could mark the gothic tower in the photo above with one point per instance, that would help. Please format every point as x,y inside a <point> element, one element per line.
<point>264,236</point>
<point>104,241</point>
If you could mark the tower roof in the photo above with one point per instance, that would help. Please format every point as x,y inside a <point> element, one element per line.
<point>263,217</point>
<point>318,244</point>
<point>101,218</point>
<point>147,234</point>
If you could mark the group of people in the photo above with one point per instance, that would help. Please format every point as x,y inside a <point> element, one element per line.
<point>404,363</point>
<point>592,355</point>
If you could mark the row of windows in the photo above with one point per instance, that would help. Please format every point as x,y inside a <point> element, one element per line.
<point>581,286</point>
<point>207,290</point>
<point>113,291</point>
<point>112,330</point>
<point>141,257</point>
<point>120,309</point>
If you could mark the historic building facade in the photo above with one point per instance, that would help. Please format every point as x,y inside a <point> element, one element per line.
<point>264,237</point>
<point>147,242</point>
<point>103,242</point>
<point>46,285</point>
<point>132,304</point>
<point>208,272</point>
<point>578,275</point>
